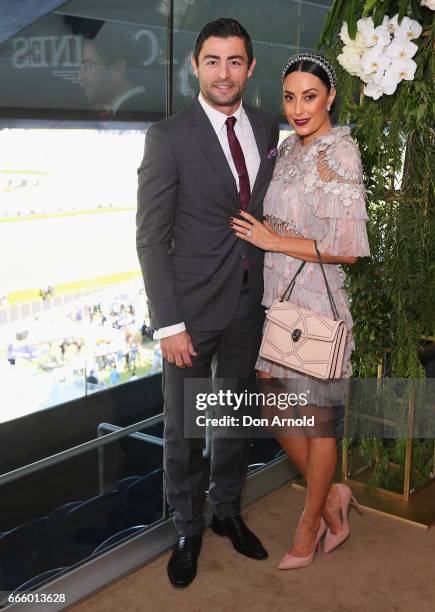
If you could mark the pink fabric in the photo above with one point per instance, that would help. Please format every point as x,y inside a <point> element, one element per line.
<point>316,192</point>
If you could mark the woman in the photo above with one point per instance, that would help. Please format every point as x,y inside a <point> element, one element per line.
<point>316,194</point>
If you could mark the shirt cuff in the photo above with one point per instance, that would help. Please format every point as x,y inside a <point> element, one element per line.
<point>170,330</point>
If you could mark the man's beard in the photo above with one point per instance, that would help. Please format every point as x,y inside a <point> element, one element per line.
<point>236,97</point>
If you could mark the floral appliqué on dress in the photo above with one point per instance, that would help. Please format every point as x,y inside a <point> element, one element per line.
<point>316,192</point>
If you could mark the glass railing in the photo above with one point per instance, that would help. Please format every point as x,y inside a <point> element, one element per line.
<point>71,506</point>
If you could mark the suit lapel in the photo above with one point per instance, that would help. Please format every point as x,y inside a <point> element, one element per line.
<point>208,141</point>
<point>261,140</point>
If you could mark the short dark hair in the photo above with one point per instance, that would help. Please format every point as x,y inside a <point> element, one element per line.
<point>306,65</point>
<point>223,28</point>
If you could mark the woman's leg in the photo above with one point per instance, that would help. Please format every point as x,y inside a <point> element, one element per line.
<point>322,458</point>
<point>298,448</point>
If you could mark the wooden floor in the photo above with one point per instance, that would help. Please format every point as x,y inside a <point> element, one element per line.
<point>385,566</point>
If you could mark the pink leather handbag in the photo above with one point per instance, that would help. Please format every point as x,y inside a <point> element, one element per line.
<point>302,340</point>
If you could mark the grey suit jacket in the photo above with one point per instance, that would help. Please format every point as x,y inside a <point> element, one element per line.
<point>191,261</point>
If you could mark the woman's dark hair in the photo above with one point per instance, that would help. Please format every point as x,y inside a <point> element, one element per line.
<point>312,68</point>
<point>223,28</point>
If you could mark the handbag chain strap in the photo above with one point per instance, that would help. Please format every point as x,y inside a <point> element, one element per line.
<point>293,282</point>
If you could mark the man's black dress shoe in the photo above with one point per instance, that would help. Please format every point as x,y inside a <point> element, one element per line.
<point>244,541</point>
<point>183,561</point>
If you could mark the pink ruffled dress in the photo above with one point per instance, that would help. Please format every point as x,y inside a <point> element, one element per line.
<point>316,192</point>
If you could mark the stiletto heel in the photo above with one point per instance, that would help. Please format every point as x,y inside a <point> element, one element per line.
<point>293,562</point>
<point>332,540</point>
<point>355,504</point>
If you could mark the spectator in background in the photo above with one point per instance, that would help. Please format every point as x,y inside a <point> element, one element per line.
<point>111,63</point>
<point>114,376</point>
<point>156,365</point>
<point>133,356</point>
<point>146,331</point>
<point>11,354</point>
<point>63,347</point>
<point>92,379</point>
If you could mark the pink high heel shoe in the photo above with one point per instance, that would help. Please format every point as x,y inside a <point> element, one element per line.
<point>346,497</point>
<point>293,562</point>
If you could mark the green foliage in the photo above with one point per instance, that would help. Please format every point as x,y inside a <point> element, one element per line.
<point>331,21</point>
<point>380,11</point>
<point>368,7</point>
<point>351,17</point>
<point>392,294</point>
<point>403,6</point>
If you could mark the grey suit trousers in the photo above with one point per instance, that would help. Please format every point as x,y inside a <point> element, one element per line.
<point>229,353</point>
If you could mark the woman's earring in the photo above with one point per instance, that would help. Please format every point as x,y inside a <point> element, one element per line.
<point>328,108</point>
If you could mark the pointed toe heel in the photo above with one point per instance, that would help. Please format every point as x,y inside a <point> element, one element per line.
<point>289,562</point>
<point>333,540</point>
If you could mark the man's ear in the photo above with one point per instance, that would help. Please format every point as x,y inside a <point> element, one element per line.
<point>194,65</point>
<point>251,68</point>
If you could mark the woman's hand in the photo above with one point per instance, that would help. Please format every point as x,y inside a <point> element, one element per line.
<point>259,234</point>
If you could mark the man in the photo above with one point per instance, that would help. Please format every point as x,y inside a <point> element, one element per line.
<point>204,286</point>
<point>105,73</point>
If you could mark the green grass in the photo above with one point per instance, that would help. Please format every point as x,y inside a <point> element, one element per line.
<point>99,282</point>
<point>72,213</point>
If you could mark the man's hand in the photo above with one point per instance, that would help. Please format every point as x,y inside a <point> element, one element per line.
<point>178,349</point>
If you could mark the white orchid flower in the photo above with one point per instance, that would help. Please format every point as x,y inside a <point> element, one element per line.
<point>365,24</point>
<point>390,24</point>
<point>401,48</point>
<point>389,83</point>
<point>409,28</point>
<point>350,59</point>
<point>373,36</point>
<point>344,35</point>
<point>378,76</point>
<point>372,90</point>
<point>402,69</point>
<point>375,60</point>
<point>367,77</point>
<point>382,35</point>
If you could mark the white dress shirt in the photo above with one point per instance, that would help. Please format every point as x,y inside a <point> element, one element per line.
<point>245,134</point>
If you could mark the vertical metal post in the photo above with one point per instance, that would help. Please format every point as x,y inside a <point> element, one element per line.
<point>409,441</point>
<point>100,452</point>
<point>345,459</point>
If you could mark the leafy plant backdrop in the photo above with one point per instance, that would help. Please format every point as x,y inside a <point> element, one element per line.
<point>393,292</point>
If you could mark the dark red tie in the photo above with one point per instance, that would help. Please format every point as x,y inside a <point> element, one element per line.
<point>239,162</point>
<point>242,171</point>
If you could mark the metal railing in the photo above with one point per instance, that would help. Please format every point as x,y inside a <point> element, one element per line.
<point>74,451</point>
<point>102,427</point>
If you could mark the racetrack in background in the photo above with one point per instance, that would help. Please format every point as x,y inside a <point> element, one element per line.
<point>55,250</point>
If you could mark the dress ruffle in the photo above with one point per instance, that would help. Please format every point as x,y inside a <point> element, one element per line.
<point>333,213</point>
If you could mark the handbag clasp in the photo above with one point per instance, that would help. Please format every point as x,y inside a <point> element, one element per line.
<point>296,334</point>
